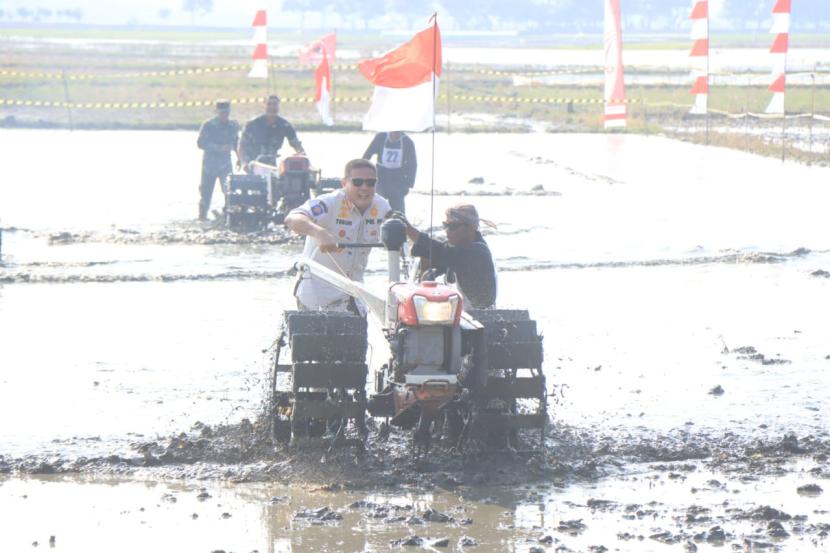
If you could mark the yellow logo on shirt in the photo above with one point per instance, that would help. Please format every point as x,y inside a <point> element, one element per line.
<point>373,212</point>
<point>344,210</point>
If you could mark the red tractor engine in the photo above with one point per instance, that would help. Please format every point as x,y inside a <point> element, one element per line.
<point>424,336</point>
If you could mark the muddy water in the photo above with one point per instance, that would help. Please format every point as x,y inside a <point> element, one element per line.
<point>649,511</point>
<point>680,290</point>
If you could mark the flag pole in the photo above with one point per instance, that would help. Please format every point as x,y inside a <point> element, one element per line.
<point>434,90</point>
<point>331,76</point>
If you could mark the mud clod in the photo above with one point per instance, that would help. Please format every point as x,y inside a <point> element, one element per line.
<point>601,504</point>
<point>666,537</point>
<point>431,515</point>
<point>467,541</point>
<point>442,542</point>
<point>767,513</point>
<point>411,541</point>
<point>572,527</point>
<point>319,515</point>
<point>717,391</point>
<point>752,545</point>
<point>715,535</point>
<point>776,530</point>
<point>810,490</point>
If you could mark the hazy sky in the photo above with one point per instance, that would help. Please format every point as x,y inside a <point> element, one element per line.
<point>235,13</point>
<point>239,13</point>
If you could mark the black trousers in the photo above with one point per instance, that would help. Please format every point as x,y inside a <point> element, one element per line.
<point>206,189</point>
<point>395,194</point>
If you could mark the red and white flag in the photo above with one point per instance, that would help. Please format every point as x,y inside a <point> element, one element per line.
<point>700,56</point>
<point>406,84</point>
<point>260,56</point>
<point>614,74</point>
<point>322,90</point>
<point>781,30</point>
<point>312,53</point>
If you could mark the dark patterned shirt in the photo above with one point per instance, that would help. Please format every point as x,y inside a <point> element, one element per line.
<point>259,138</point>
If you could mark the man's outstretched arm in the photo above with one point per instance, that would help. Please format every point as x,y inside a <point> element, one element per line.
<point>303,225</point>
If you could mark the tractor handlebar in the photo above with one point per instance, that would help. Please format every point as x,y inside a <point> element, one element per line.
<point>342,245</point>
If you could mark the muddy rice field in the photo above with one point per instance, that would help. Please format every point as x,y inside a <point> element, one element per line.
<point>682,292</point>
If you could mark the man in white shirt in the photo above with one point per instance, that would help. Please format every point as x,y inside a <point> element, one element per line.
<point>353,213</point>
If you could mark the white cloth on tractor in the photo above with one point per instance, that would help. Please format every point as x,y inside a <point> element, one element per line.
<point>334,212</point>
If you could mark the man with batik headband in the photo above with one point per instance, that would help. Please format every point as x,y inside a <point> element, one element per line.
<point>352,213</point>
<point>465,253</point>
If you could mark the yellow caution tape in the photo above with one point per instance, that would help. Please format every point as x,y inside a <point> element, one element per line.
<point>545,73</point>
<point>145,74</point>
<point>246,67</point>
<point>103,76</point>
<point>159,105</point>
<point>366,99</point>
<point>339,67</point>
<point>513,100</point>
<point>296,100</point>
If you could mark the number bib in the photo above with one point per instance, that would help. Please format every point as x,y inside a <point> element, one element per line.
<point>392,158</point>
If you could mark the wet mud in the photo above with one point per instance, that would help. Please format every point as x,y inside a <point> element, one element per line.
<point>33,277</point>
<point>726,258</point>
<point>207,235</point>
<point>716,472</point>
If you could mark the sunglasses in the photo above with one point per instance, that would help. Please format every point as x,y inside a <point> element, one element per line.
<point>453,226</point>
<point>367,182</point>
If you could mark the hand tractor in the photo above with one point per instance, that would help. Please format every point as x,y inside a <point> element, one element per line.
<point>266,195</point>
<point>464,376</point>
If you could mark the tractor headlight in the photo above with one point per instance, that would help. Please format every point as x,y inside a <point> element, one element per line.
<point>435,312</point>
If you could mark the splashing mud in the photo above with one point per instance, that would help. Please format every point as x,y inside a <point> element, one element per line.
<point>192,236</point>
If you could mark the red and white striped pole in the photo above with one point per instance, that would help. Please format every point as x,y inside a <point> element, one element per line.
<point>260,56</point>
<point>615,113</point>
<point>700,56</point>
<point>781,29</point>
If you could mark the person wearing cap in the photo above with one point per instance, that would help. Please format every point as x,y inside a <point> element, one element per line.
<point>465,253</point>
<point>218,137</point>
<point>264,134</point>
<point>397,165</point>
<point>353,213</point>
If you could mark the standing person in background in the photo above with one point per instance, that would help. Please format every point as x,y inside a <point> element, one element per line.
<point>264,135</point>
<point>397,165</point>
<point>218,137</point>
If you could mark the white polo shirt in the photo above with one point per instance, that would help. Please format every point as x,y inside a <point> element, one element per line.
<point>334,212</point>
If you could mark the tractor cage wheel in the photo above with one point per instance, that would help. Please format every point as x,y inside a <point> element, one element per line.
<point>323,388</point>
